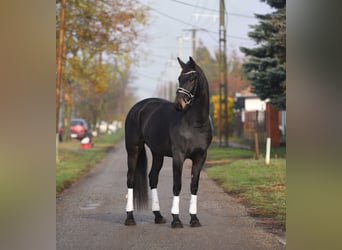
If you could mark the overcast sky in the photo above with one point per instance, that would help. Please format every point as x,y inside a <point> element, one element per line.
<point>170,19</point>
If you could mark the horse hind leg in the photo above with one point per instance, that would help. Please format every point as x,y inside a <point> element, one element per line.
<point>157,164</point>
<point>177,167</point>
<point>132,158</point>
<point>132,161</point>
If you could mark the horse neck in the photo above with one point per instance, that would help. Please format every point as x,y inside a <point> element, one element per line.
<point>201,103</point>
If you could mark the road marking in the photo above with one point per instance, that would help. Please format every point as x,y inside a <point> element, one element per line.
<point>90,206</point>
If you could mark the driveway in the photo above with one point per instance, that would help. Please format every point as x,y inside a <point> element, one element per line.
<point>91,214</point>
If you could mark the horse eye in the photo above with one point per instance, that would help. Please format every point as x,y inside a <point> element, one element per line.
<point>191,77</point>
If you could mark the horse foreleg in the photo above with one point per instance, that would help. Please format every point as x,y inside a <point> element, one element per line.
<point>157,163</point>
<point>195,175</point>
<point>158,218</point>
<point>177,186</point>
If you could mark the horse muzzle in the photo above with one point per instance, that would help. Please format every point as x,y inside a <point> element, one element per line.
<point>180,103</point>
<point>183,98</point>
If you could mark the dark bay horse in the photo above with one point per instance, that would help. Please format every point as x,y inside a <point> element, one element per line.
<point>181,130</point>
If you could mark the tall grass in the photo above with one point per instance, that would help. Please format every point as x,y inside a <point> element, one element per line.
<point>74,161</point>
<point>261,187</point>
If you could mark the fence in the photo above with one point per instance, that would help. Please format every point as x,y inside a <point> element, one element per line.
<point>247,123</point>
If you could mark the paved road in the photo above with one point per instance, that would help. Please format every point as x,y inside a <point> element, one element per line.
<point>91,215</point>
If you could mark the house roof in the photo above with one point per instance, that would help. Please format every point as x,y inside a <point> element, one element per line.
<point>245,93</point>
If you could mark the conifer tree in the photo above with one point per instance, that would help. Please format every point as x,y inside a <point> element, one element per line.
<point>266,65</point>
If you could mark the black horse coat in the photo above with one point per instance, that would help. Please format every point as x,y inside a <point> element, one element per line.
<point>179,130</point>
<point>157,123</point>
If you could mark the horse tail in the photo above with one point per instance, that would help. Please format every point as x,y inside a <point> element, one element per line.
<point>140,186</point>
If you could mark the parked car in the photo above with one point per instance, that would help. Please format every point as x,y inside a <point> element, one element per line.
<point>79,129</point>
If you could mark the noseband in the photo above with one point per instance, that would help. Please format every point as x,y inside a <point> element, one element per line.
<point>185,91</point>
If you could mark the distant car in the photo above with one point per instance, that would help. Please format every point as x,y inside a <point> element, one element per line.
<point>102,126</point>
<point>79,129</point>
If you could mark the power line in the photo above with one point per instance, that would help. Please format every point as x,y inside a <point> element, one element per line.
<point>190,18</point>
<point>204,8</point>
<point>240,38</point>
<point>168,16</point>
<point>195,26</point>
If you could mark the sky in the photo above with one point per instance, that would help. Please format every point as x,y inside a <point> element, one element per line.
<point>170,21</point>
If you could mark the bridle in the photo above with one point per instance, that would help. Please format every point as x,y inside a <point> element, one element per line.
<point>185,91</point>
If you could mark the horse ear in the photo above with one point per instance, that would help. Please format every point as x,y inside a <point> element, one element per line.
<point>192,62</point>
<point>181,63</point>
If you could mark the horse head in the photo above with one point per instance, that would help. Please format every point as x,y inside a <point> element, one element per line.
<point>188,84</point>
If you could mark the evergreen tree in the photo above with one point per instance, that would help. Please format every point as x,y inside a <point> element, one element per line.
<point>266,65</point>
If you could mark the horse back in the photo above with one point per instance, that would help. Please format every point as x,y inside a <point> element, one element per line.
<point>149,122</point>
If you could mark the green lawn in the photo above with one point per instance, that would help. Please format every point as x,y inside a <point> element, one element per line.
<point>74,161</point>
<point>219,153</point>
<point>261,187</point>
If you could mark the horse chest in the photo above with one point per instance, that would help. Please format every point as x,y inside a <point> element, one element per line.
<point>192,138</point>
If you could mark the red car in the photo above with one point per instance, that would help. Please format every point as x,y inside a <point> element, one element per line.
<point>79,128</point>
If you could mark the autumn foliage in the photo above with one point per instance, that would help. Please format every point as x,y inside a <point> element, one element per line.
<point>214,100</point>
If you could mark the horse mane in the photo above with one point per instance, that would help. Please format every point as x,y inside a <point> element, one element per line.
<point>203,78</point>
<point>203,81</point>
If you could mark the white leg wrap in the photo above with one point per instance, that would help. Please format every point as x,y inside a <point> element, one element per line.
<point>193,204</point>
<point>129,206</point>
<point>175,205</point>
<point>155,200</point>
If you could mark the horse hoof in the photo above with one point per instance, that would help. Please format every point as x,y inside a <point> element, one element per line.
<point>194,222</point>
<point>130,219</point>
<point>130,222</point>
<point>176,224</point>
<point>159,219</point>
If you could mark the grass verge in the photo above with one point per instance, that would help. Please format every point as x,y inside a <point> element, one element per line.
<point>219,153</point>
<point>74,161</point>
<point>261,187</point>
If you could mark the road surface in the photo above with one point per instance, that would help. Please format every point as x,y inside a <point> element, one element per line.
<point>91,214</point>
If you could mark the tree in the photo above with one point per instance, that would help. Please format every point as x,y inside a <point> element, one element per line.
<point>266,65</point>
<point>214,100</point>
<point>100,38</point>
<point>208,63</point>
<point>237,80</point>
<point>236,77</point>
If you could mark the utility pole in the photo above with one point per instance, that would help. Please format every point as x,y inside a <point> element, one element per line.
<point>223,88</point>
<point>194,44</point>
<point>59,67</point>
<point>180,47</point>
<point>193,41</point>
